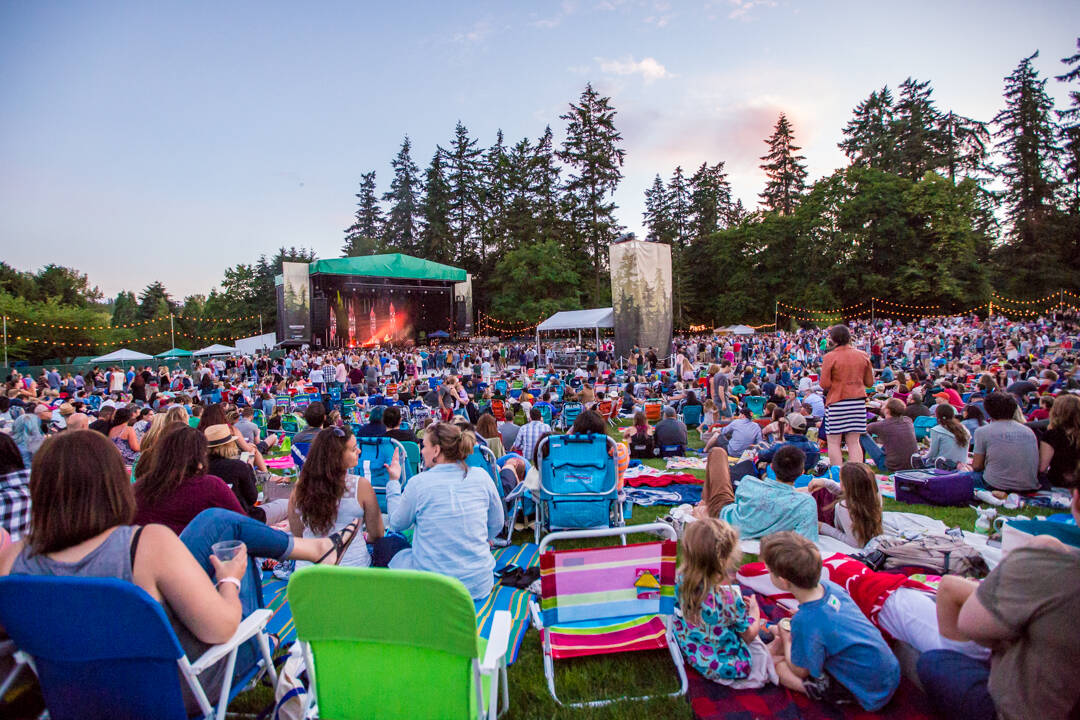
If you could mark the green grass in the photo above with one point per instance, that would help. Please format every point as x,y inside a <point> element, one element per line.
<point>617,675</point>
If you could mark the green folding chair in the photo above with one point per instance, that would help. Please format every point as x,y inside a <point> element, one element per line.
<point>396,644</point>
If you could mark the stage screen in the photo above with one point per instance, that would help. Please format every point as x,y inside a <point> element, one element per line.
<point>641,296</point>
<point>295,305</point>
<point>365,317</point>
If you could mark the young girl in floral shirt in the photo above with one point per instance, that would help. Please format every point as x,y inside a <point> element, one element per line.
<point>715,627</point>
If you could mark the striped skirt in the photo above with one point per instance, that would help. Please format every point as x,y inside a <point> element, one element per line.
<point>846,416</point>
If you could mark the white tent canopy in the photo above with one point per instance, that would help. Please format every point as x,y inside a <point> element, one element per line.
<point>215,350</point>
<point>248,345</point>
<point>123,355</point>
<point>579,320</point>
<point>738,330</point>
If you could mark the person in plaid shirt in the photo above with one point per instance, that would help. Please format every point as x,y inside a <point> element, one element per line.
<point>530,434</point>
<point>14,489</point>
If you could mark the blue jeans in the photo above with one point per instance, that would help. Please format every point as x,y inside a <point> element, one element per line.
<point>956,685</point>
<point>873,451</point>
<point>262,541</point>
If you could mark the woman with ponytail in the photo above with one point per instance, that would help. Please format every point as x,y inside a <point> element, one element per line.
<point>716,627</point>
<point>455,509</point>
<point>949,441</point>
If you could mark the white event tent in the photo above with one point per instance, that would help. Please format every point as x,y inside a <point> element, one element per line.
<point>122,355</point>
<point>215,350</point>
<point>579,320</point>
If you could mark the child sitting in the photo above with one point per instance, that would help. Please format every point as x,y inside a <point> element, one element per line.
<point>715,627</point>
<point>830,651</point>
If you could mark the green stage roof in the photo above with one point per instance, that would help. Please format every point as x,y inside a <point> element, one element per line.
<point>394,265</point>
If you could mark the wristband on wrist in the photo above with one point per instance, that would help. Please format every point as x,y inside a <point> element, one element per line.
<point>229,580</point>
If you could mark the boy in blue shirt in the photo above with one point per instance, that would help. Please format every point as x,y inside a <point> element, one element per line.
<point>830,651</point>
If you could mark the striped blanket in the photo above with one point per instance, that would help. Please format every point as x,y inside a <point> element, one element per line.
<point>502,598</point>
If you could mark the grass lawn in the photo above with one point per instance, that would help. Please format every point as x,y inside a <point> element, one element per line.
<point>614,675</point>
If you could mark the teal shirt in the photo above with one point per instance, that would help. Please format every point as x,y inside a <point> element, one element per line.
<point>766,506</point>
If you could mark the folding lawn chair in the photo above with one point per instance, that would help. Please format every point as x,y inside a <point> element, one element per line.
<point>923,425</point>
<point>482,457</point>
<point>501,387</point>
<point>375,454</point>
<point>653,410</point>
<point>578,483</point>
<point>103,648</point>
<point>570,412</point>
<point>605,600</point>
<point>412,452</point>
<point>692,415</point>
<point>299,452</point>
<point>361,664</point>
<point>498,409</point>
<point>756,403</point>
<point>545,413</point>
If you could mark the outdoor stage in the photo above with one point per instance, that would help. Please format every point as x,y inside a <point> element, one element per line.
<point>372,299</point>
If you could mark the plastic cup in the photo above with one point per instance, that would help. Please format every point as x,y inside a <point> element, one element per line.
<point>226,549</point>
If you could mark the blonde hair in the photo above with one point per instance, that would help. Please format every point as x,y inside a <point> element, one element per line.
<point>710,554</point>
<point>456,444</point>
<point>1065,414</point>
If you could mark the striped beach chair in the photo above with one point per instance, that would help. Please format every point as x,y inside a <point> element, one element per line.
<point>605,600</point>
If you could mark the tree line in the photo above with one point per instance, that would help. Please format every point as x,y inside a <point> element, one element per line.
<point>933,209</point>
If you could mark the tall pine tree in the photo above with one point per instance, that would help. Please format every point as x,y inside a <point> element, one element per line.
<point>1069,134</point>
<point>366,229</point>
<point>868,138</point>
<point>436,239</point>
<point>401,230</point>
<point>592,153</point>
<point>547,181</point>
<point>784,171</point>
<point>710,200</point>
<point>916,130</point>
<point>463,177</point>
<point>657,215</point>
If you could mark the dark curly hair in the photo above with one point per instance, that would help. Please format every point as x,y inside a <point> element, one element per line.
<point>322,480</point>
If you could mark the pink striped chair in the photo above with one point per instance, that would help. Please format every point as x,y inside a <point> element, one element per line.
<point>604,600</point>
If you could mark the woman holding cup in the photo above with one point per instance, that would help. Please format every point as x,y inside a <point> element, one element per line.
<point>82,524</point>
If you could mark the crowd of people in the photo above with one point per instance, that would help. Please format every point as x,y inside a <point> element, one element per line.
<point>134,473</point>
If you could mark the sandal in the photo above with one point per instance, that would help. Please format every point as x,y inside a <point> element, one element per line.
<point>341,541</point>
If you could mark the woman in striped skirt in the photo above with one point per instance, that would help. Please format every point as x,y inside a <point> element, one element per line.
<point>845,375</point>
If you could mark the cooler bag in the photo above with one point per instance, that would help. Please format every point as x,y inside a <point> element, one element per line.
<point>934,487</point>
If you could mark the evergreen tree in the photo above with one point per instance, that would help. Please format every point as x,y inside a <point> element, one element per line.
<point>494,177</point>
<point>545,187</point>
<point>1026,135</point>
<point>521,177</point>
<point>964,146</point>
<point>916,130</point>
<point>868,137</point>
<point>657,215</point>
<point>367,226</point>
<point>154,301</point>
<point>592,151</point>
<point>125,309</point>
<point>785,174</point>
<point>436,238</point>
<point>737,214</point>
<point>678,201</point>
<point>401,228</point>
<point>1069,133</point>
<point>710,200</point>
<point>462,175</point>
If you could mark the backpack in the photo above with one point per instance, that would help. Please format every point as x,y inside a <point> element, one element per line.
<point>641,446</point>
<point>938,554</point>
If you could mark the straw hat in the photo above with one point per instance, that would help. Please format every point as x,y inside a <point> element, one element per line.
<point>218,435</point>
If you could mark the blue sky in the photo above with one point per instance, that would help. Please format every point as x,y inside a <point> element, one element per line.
<point>155,141</point>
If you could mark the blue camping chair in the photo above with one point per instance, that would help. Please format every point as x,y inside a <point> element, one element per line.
<point>482,457</point>
<point>691,415</point>
<point>578,484</point>
<point>545,413</point>
<point>299,453</point>
<point>103,648</point>
<point>570,412</point>
<point>923,425</point>
<point>378,452</point>
<point>756,403</point>
<point>502,387</point>
<point>666,451</point>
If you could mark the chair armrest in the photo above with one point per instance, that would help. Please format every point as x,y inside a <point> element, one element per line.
<point>252,624</point>
<point>516,492</point>
<point>498,639</point>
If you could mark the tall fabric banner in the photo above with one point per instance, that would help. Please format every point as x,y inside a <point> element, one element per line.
<point>641,296</point>
<point>296,302</point>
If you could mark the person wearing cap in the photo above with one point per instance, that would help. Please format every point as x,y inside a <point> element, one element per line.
<point>224,462</point>
<point>794,435</point>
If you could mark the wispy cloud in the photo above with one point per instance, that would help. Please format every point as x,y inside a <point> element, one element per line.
<point>480,30</point>
<point>740,9</point>
<point>648,68</point>
<point>567,7</point>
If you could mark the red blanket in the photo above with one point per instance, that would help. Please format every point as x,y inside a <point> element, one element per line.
<point>663,480</point>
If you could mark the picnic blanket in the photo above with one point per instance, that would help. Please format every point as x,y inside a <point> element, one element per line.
<point>712,701</point>
<point>662,480</point>
<point>670,495</point>
<point>515,600</point>
<point>685,463</point>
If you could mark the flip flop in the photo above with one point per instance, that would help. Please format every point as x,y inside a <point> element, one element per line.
<point>341,541</point>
